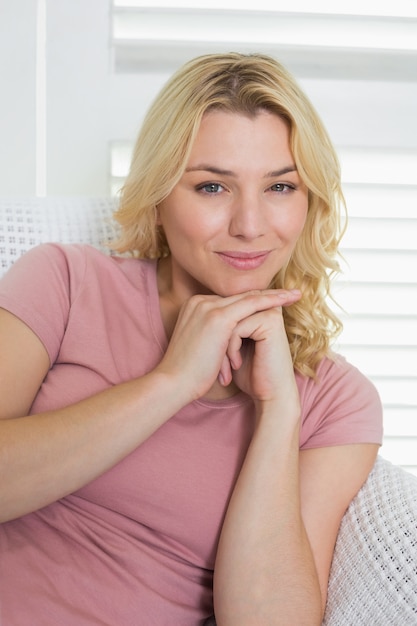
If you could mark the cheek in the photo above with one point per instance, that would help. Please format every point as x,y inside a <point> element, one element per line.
<point>301,222</point>
<point>292,224</point>
<point>300,217</point>
<point>180,231</point>
<point>191,223</point>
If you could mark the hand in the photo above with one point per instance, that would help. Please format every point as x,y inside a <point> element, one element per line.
<point>207,340</point>
<point>260,356</point>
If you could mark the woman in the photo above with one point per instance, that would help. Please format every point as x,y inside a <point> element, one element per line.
<point>178,411</point>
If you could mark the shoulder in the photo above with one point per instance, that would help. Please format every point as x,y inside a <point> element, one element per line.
<point>53,284</point>
<point>335,376</point>
<point>341,405</point>
<point>48,255</point>
<point>341,379</point>
<point>72,260</point>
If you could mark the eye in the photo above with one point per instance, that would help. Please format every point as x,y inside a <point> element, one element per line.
<point>210,188</point>
<point>282,188</point>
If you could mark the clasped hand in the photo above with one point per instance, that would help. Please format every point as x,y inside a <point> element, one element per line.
<point>239,338</point>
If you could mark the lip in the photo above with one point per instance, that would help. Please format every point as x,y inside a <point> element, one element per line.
<point>244,260</point>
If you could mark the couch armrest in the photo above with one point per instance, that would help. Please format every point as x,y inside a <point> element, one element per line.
<point>373,579</point>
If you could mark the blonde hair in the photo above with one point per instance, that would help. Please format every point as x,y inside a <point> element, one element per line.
<point>244,84</point>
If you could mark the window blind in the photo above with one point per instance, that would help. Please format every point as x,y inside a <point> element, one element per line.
<point>377,291</point>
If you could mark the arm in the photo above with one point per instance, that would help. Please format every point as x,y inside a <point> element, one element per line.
<point>46,456</point>
<point>279,533</point>
<point>329,480</point>
<point>75,444</point>
<point>277,543</point>
<point>265,572</point>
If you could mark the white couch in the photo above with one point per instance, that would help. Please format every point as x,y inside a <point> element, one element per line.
<point>373,580</point>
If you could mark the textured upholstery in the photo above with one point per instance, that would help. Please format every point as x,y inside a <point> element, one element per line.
<point>373,579</point>
<point>26,222</point>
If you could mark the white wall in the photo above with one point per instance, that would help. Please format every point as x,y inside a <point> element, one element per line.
<point>17,96</point>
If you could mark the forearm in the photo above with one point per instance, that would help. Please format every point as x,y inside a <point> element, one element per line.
<point>47,456</point>
<point>265,572</point>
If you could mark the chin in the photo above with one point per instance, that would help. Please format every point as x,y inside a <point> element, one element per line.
<point>234,289</point>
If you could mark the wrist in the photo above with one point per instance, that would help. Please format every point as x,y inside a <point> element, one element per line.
<point>277,411</point>
<point>172,387</point>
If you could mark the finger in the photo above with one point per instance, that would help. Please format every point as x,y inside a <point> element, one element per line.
<point>266,296</point>
<point>288,297</point>
<point>238,308</point>
<point>260,298</point>
<point>225,374</point>
<point>234,350</point>
<point>260,326</point>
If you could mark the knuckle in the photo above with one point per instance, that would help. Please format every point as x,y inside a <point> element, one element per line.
<point>215,315</point>
<point>198,304</point>
<point>205,306</point>
<point>196,299</point>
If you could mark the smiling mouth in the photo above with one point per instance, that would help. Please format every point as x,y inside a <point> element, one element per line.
<point>244,260</point>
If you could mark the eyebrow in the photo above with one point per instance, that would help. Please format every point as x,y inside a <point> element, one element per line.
<point>221,172</point>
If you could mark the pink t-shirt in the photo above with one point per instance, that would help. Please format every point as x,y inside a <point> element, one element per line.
<point>137,546</point>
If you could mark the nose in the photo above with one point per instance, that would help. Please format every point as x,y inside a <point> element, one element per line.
<point>247,219</point>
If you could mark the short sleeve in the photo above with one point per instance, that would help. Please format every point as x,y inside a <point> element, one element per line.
<point>341,407</point>
<point>38,289</point>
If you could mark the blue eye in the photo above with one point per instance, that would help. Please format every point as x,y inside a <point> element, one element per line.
<point>210,188</point>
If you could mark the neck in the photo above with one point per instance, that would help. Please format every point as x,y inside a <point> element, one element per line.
<point>170,308</point>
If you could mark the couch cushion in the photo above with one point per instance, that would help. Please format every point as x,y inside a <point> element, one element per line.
<point>25,223</point>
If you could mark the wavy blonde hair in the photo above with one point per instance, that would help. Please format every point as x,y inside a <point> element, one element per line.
<point>243,84</point>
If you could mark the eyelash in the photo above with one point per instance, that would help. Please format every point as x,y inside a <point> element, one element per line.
<point>285,188</point>
<point>203,188</point>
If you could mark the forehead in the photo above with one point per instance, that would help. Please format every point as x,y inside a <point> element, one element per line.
<point>237,137</point>
<point>218,116</point>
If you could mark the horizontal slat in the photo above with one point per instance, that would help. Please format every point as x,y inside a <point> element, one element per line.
<point>401,392</point>
<point>378,299</point>
<point>381,201</point>
<point>153,38</point>
<point>402,8</point>
<point>382,361</point>
<point>368,331</point>
<point>378,166</point>
<point>379,266</point>
<point>400,422</point>
<point>400,450</point>
<point>382,234</point>
<point>304,62</point>
<point>352,31</point>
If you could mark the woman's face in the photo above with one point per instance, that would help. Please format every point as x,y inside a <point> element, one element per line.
<point>233,219</point>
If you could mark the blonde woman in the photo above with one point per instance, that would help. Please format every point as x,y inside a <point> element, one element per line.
<point>179,441</point>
